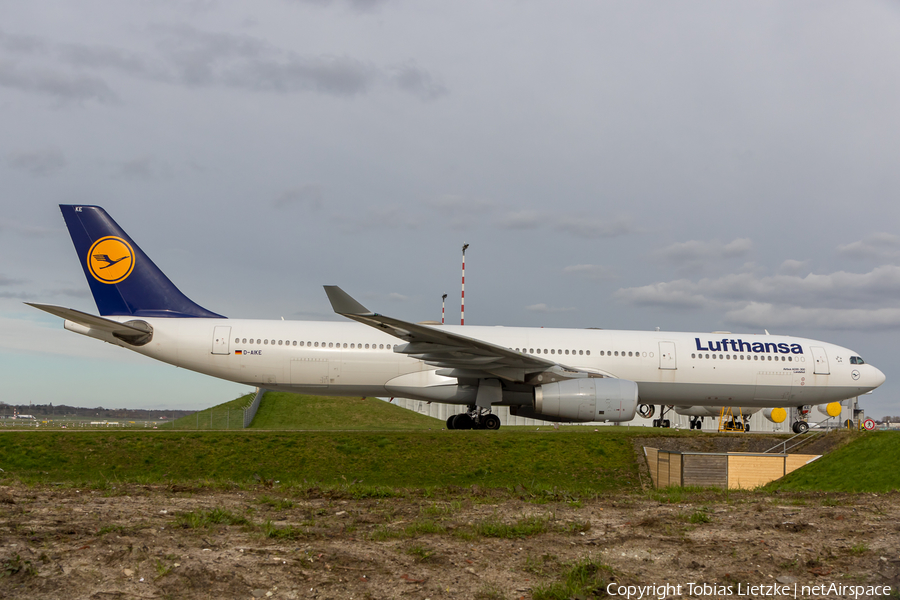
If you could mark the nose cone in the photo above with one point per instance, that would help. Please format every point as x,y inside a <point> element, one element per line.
<point>876,378</point>
<point>869,377</point>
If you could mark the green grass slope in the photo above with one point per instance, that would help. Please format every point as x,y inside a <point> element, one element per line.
<point>228,415</point>
<point>284,411</point>
<point>867,464</point>
<point>280,410</point>
<point>574,460</point>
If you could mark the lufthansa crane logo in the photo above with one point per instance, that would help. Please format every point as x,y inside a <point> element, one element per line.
<point>110,259</point>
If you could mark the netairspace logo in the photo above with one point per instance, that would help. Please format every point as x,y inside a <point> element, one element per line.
<point>638,592</point>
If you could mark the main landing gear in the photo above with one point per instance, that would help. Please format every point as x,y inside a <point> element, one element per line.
<point>474,418</point>
<point>696,422</point>
<point>662,421</point>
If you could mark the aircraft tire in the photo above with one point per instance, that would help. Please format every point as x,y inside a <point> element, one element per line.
<point>747,428</point>
<point>462,421</point>
<point>802,426</point>
<point>666,423</point>
<point>491,422</point>
<point>656,422</point>
<point>450,421</point>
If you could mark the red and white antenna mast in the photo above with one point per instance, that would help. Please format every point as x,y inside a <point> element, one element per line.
<point>443,301</point>
<point>462,302</point>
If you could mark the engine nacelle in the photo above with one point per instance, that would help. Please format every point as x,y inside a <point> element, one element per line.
<point>832,409</point>
<point>589,399</point>
<point>775,415</point>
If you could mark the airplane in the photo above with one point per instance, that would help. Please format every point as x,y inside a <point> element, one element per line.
<point>561,375</point>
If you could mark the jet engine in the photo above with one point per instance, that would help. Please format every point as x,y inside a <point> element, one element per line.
<point>775,415</point>
<point>588,399</point>
<point>832,409</point>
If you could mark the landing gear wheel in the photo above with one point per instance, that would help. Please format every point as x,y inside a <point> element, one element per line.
<point>450,421</point>
<point>747,428</point>
<point>666,423</point>
<point>656,422</point>
<point>462,421</point>
<point>490,422</point>
<point>802,426</point>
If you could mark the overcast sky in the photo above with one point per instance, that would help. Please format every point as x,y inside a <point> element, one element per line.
<point>685,165</point>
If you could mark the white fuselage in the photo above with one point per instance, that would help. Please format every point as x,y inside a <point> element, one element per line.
<point>352,359</point>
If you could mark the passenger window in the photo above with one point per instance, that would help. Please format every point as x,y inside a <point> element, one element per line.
<point>280,342</point>
<point>266,342</point>
<point>588,352</point>
<point>295,342</point>
<point>245,341</point>
<point>580,352</point>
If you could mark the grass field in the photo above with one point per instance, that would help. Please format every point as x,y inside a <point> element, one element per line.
<point>279,410</point>
<point>868,464</point>
<point>577,460</point>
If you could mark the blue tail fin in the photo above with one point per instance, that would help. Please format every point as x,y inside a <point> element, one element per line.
<point>123,280</point>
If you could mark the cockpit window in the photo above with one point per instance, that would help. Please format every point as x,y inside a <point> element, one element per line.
<point>855,360</point>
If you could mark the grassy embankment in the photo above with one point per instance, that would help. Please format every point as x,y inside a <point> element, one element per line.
<point>867,464</point>
<point>582,461</point>
<point>283,411</point>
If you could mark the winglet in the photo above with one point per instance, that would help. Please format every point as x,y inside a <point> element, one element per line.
<point>344,304</point>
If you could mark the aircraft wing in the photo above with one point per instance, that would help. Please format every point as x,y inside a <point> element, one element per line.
<point>88,320</point>
<point>457,355</point>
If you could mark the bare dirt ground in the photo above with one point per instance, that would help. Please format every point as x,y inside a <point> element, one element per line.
<point>157,542</point>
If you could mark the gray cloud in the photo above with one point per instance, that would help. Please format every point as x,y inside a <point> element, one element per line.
<point>142,168</point>
<point>40,163</point>
<point>793,267</point>
<point>63,86</point>
<point>840,289</point>
<point>377,218</point>
<point>543,308</point>
<point>695,252</point>
<point>767,316</point>
<point>202,58</point>
<point>593,227</point>
<point>192,57</point>
<point>22,44</point>
<point>595,272</point>
<point>461,212</point>
<point>358,5</point>
<point>878,246</point>
<point>522,219</point>
<point>747,296</point>
<point>417,81</point>
<point>4,280</point>
<point>309,195</point>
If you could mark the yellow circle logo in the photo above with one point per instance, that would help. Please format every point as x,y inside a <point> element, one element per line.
<point>110,259</point>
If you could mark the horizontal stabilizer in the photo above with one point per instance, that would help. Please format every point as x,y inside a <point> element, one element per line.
<point>91,321</point>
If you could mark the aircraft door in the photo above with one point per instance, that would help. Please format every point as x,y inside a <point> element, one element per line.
<point>821,361</point>
<point>667,356</point>
<point>221,342</point>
